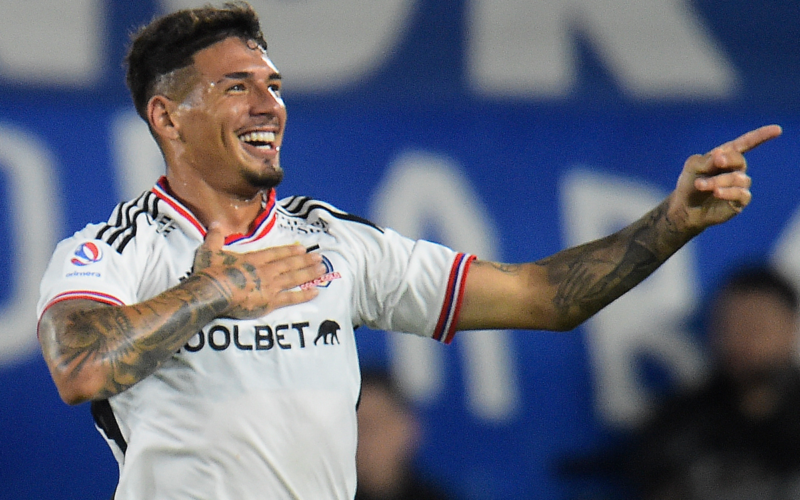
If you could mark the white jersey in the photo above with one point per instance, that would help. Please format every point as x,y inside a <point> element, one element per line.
<point>260,408</point>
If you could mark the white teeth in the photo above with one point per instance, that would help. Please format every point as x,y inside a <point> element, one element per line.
<point>260,138</point>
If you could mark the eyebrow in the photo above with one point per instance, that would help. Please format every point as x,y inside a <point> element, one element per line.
<point>243,75</point>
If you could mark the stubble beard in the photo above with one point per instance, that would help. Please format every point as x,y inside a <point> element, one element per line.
<point>265,179</point>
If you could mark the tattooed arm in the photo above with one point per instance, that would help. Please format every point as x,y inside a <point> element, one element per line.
<point>95,351</point>
<point>563,290</point>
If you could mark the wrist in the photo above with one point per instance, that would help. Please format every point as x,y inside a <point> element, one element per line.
<point>212,292</point>
<point>679,222</point>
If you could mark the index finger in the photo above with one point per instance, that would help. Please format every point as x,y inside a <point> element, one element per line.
<point>750,140</point>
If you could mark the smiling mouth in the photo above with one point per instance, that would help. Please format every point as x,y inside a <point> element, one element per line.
<point>261,140</point>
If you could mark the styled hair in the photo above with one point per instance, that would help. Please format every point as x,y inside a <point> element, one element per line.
<point>761,278</point>
<point>381,379</point>
<point>170,42</point>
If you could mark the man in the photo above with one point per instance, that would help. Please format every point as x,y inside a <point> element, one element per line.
<point>737,435</point>
<point>389,435</point>
<point>212,327</point>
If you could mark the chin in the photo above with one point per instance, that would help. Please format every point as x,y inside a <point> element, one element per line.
<point>265,180</point>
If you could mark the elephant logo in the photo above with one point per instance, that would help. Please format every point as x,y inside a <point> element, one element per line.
<point>328,332</point>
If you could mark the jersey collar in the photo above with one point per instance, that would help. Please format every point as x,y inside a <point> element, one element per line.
<point>258,229</point>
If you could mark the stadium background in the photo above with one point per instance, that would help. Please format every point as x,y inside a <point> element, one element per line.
<point>508,128</point>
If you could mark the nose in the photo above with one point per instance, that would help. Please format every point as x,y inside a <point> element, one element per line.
<point>267,100</point>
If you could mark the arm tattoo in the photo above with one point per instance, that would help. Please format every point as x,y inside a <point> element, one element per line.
<point>133,341</point>
<point>590,276</point>
<point>237,277</point>
<point>253,272</point>
<point>506,268</point>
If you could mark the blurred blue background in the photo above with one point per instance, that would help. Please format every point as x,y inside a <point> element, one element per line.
<point>507,128</point>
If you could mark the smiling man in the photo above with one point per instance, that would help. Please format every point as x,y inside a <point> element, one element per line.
<point>212,327</point>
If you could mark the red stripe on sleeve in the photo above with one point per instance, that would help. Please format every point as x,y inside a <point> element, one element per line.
<point>451,332</point>
<point>444,313</point>
<point>445,327</point>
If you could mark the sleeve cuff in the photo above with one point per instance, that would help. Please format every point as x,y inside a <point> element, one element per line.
<point>448,318</point>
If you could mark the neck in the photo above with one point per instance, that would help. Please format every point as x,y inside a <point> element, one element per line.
<point>235,213</point>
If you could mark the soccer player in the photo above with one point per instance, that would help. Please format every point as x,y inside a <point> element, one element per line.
<point>212,326</point>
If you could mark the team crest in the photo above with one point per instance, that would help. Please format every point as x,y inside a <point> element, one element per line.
<point>87,253</point>
<point>325,280</point>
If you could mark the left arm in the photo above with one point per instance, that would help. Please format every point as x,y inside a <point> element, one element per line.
<point>563,290</point>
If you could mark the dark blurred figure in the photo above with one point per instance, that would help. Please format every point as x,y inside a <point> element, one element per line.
<point>388,438</point>
<point>738,436</point>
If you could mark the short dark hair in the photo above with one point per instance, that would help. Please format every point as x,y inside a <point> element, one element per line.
<point>761,278</point>
<point>170,42</point>
<point>380,378</point>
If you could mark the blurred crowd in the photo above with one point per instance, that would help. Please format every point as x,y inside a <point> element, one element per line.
<point>736,436</point>
<point>389,435</point>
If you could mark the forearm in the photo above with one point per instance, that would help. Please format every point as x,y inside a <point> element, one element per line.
<point>96,352</point>
<point>588,277</point>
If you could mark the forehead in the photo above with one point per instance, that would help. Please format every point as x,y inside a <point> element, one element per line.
<point>751,303</point>
<point>233,55</point>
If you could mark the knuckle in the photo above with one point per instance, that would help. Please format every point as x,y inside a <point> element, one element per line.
<point>698,157</point>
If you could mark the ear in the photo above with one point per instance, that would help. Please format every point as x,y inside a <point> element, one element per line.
<point>162,117</point>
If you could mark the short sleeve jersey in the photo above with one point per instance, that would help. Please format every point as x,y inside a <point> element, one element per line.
<point>262,408</point>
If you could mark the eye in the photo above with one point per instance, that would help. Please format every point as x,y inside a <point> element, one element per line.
<point>238,87</point>
<point>276,89</point>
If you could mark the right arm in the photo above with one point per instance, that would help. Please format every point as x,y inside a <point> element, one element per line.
<point>564,290</point>
<point>95,351</point>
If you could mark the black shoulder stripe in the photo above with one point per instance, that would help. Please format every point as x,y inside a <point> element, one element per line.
<point>301,206</point>
<point>152,201</point>
<point>117,216</point>
<point>122,227</point>
<point>295,203</point>
<point>104,417</point>
<point>130,221</point>
<point>349,217</point>
<point>118,211</point>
